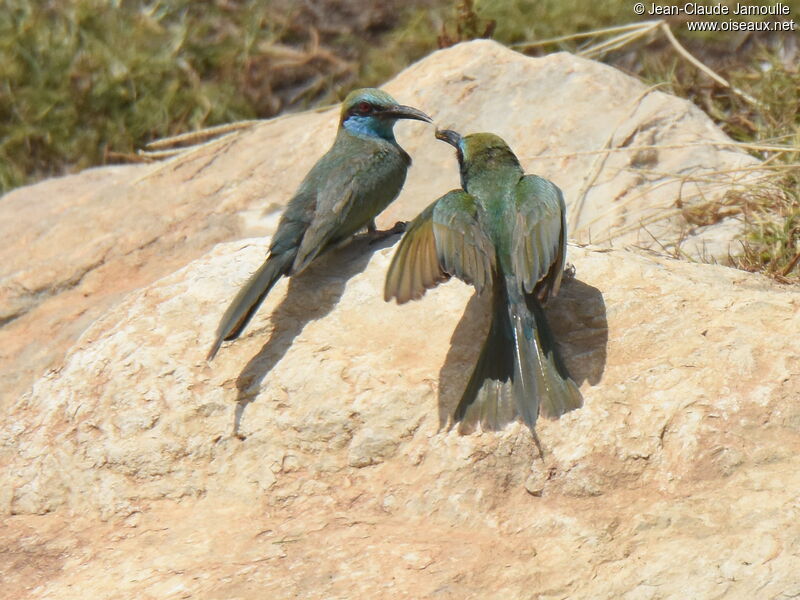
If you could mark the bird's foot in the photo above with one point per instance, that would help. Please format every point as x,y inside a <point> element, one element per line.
<point>378,236</point>
<point>569,272</point>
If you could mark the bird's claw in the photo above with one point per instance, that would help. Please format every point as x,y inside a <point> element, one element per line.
<point>377,236</point>
<point>569,271</point>
<point>399,227</point>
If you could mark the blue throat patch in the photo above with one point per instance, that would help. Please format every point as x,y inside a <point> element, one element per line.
<point>370,126</point>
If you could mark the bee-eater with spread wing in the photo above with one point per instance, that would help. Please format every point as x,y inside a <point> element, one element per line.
<point>345,190</point>
<point>507,231</point>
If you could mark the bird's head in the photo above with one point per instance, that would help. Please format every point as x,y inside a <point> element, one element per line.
<point>373,112</point>
<point>479,153</point>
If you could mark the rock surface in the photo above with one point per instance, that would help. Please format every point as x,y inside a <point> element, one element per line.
<point>312,459</point>
<point>678,478</point>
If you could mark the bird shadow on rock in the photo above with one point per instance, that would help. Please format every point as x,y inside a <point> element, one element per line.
<point>577,317</point>
<point>311,295</point>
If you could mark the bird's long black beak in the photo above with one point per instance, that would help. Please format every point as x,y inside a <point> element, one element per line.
<point>448,135</point>
<point>406,112</point>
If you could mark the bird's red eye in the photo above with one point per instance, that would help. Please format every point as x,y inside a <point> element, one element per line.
<point>364,108</point>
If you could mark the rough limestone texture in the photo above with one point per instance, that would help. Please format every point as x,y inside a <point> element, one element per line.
<point>313,458</point>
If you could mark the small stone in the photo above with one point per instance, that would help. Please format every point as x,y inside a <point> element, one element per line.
<point>536,481</point>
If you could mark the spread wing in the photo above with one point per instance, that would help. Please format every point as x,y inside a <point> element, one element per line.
<point>444,240</point>
<point>539,246</point>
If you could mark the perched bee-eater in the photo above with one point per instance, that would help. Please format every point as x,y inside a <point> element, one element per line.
<point>342,194</point>
<point>507,231</point>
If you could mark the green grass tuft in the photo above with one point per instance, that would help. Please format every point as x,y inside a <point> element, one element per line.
<point>83,80</point>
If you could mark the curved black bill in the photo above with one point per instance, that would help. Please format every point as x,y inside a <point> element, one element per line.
<point>406,112</point>
<point>448,135</point>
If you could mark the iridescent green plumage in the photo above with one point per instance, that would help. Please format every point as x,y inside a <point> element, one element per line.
<point>504,230</point>
<point>345,190</point>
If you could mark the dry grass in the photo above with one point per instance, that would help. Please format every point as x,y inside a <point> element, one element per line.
<point>771,244</point>
<point>85,82</point>
<point>753,94</point>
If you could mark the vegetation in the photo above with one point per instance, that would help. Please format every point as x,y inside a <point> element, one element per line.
<point>772,209</point>
<point>771,119</point>
<point>86,82</point>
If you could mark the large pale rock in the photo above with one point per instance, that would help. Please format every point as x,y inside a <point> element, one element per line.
<point>76,246</point>
<point>312,459</point>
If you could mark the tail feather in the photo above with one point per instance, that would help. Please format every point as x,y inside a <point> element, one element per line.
<point>487,399</point>
<point>519,371</point>
<point>543,384</point>
<point>561,393</point>
<point>249,298</point>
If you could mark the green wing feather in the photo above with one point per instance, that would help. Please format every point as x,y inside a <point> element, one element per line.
<point>539,239</point>
<point>445,240</point>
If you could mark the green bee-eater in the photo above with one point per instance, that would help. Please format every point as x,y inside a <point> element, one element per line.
<point>342,194</point>
<point>504,230</point>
